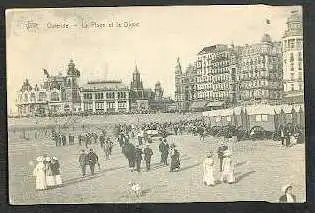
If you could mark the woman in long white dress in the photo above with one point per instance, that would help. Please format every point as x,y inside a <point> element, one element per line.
<point>227,168</point>
<point>208,167</point>
<point>39,173</point>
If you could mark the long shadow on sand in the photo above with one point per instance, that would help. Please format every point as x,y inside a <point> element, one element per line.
<point>189,167</point>
<point>160,165</point>
<point>240,163</point>
<point>240,177</point>
<point>82,179</point>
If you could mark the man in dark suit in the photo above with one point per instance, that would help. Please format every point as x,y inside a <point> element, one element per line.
<point>220,151</point>
<point>92,160</point>
<point>83,162</point>
<point>138,157</point>
<point>164,148</point>
<point>161,148</point>
<point>102,140</point>
<point>147,156</point>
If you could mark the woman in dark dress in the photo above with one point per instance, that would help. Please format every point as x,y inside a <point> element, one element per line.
<point>129,151</point>
<point>175,162</point>
<point>55,167</point>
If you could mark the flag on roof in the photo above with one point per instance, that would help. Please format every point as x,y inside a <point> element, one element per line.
<point>46,72</point>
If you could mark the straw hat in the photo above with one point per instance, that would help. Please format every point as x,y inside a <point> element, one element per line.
<point>209,155</point>
<point>40,159</point>
<point>285,188</point>
<point>47,159</point>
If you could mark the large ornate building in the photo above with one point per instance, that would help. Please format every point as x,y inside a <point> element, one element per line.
<point>185,86</point>
<point>57,94</point>
<point>61,94</point>
<point>260,72</point>
<point>105,97</point>
<point>228,75</point>
<point>292,47</point>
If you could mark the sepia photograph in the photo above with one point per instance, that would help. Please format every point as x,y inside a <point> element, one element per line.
<point>155,104</point>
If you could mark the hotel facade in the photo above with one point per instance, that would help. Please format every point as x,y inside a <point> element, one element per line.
<point>292,48</point>
<point>62,95</point>
<point>227,75</point>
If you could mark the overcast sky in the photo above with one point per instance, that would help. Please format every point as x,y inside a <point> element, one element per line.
<point>163,34</point>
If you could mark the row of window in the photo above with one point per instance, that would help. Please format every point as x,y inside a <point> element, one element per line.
<point>259,93</point>
<point>100,106</point>
<point>259,49</point>
<point>292,44</point>
<point>108,95</point>
<point>213,95</point>
<point>42,96</point>
<point>293,88</point>
<point>300,76</point>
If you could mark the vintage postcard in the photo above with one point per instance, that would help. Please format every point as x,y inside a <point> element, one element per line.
<point>156,104</point>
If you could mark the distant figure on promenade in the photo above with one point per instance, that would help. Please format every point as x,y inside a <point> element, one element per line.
<point>83,161</point>
<point>92,159</point>
<point>175,161</point>
<point>282,136</point>
<point>208,168</point>
<point>220,151</point>
<point>111,144</point>
<point>55,167</point>
<point>202,133</point>
<point>140,137</point>
<point>80,139</point>
<point>64,140</point>
<point>147,156</point>
<point>287,136</point>
<point>164,149</point>
<point>138,156</point>
<point>161,148</point>
<point>288,196</point>
<point>129,150</point>
<point>39,173</point>
<point>107,149</point>
<point>102,140</point>
<point>50,180</point>
<point>121,140</point>
<point>227,168</point>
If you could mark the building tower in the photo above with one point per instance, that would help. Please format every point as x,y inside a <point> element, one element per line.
<point>72,87</point>
<point>292,48</point>
<point>158,91</point>
<point>178,84</point>
<point>136,85</point>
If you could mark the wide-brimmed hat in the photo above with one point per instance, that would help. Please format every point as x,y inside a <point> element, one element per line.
<point>40,159</point>
<point>55,158</point>
<point>209,155</point>
<point>285,187</point>
<point>173,145</point>
<point>47,159</point>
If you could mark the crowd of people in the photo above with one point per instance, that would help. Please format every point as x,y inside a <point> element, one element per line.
<point>135,144</point>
